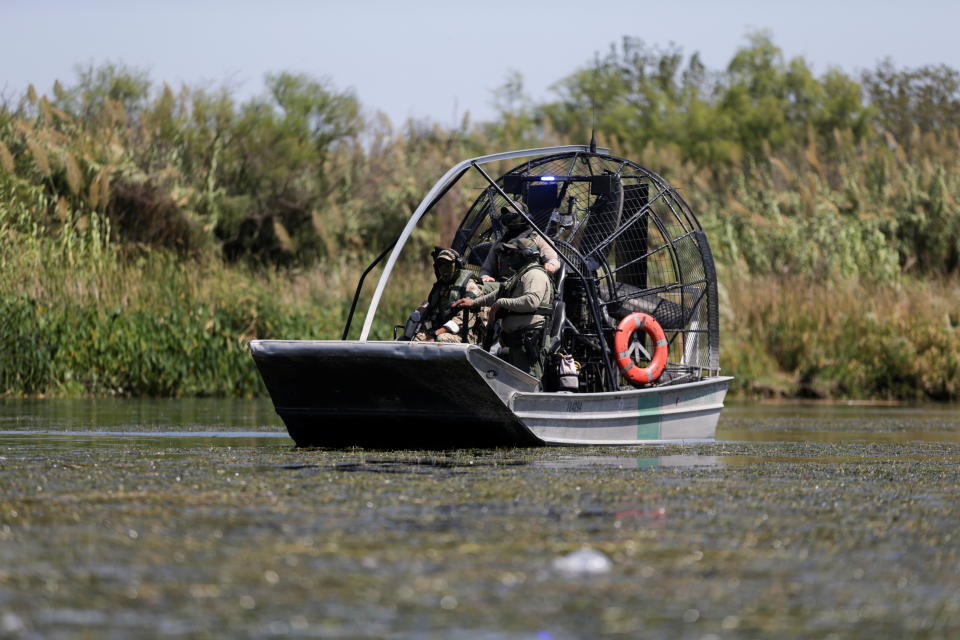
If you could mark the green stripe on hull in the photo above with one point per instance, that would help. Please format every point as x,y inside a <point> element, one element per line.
<point>648,417</point>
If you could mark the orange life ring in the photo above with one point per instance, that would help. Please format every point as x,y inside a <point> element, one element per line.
<point>626,328</point>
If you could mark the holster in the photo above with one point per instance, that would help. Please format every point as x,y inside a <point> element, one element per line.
<point>512,340</point>
<point>531,341</point>
<point>412,326</point>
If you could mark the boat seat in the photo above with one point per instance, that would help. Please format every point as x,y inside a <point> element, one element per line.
<point>557,322</point>
<point>559,317</point>
<point>630,299</point>
<point>559,278</point>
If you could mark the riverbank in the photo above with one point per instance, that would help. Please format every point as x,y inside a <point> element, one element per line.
<point>157,326</point>
<point>147,235</point>
<point>785,337</point>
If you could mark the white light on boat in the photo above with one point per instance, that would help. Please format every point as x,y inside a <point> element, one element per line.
<point>547,178</point>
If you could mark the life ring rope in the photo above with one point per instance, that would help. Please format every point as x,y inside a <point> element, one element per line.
<point>634,373</point>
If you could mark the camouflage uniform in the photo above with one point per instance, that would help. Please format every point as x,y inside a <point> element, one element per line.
<point>525,302</point>
<point>436,312</point>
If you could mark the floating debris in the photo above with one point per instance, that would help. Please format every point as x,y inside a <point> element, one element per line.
<point>583,561</point>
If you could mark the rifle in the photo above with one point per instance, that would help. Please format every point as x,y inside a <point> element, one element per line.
<point>491,331</point>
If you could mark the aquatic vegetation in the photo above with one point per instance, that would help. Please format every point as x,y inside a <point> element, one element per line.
<point>128,535</point>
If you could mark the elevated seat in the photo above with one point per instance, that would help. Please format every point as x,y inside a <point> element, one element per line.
<point>630,299</point>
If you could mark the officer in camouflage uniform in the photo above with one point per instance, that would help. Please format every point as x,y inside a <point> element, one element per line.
<point>438,321</point>
<point>523,303</point>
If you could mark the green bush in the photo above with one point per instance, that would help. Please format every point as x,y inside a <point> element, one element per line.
<point>188,351</point>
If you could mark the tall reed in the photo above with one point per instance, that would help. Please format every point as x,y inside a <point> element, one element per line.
<point>787,336</point>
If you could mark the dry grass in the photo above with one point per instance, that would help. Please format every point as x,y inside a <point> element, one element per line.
<point>790,336</point>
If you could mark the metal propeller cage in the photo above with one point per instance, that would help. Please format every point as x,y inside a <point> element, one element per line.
<point>628,242</point>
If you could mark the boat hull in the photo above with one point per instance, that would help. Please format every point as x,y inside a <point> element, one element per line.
<point>432,395</point>
<point>673,414</point>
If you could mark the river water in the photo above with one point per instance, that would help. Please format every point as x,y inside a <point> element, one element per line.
<point>198,518</point>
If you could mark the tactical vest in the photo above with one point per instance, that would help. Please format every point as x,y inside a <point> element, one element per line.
<point>443,295</point>
<point>507,291</point>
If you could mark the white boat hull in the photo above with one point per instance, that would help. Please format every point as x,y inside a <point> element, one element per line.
<point>673,414</point>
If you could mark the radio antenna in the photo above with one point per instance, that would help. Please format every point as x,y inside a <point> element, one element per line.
<point>593,130</point>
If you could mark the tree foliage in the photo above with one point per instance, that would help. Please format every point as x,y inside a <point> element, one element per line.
<point>925,99</point>
<point>782,161</point>
<point>646,95</point>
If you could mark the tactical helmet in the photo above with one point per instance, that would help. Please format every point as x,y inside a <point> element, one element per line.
<point>446,262</point>
<point>512,220</point>
<point>441,254</point>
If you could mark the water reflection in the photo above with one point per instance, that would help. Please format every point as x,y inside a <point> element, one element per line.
<point>144,434</point>
<point>48,439</point>
<point>139,414</point>
<point>839,423</point>
<point>826,416</point>
<point>629,462</point>
<point>741,434</point>
<point>813,435</point>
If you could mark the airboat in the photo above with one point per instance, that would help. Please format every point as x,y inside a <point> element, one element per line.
<point>632,253</point>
